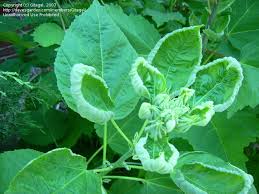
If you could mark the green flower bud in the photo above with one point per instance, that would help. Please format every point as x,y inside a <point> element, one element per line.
<point>145,111</point>
<point>170,125</point>
<point>162,100</point>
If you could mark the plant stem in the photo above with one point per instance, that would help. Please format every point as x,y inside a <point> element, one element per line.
<point>142,129</point>
<point>135,167</point>
<point>104,142</point>
<point>102,2</point>
<point>94,154</point>
<point>208,58</point>
<point>125,178</point>
<point>209,22</point>
<point>118,164</point>
<point>102,169</point>
<point>121,132</point>
<point>62,22</point>
<point>61,15</point>
<point>171,4</point>
<point>111,168</point>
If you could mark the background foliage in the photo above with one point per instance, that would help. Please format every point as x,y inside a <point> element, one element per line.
<point>35,116</point>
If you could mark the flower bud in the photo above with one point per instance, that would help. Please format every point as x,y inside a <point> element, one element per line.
<point>162,100</point>
<point>145,111</point>
<point>170,125</point>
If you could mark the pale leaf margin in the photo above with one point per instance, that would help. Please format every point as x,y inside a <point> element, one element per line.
<point>155,50</point>
<point>84,108</point>
<point>188,187</point>
<point>232,62</point>
<point>138,83</point>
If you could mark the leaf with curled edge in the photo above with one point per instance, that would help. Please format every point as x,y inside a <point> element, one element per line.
<point>218,81</point>
<point>176,55</point>
<point>200,172</point>
<point>200,115</point>
<point>146,79</point>
<point>91,94</point>
<point>95,40</point>
<point>156,155</point>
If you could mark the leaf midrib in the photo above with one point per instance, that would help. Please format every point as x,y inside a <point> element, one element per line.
<point>70,181</point>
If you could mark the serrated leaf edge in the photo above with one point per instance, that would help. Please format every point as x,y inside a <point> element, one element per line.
<point>154,51</point>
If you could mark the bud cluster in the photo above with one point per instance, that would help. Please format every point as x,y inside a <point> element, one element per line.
<point>164,112</point>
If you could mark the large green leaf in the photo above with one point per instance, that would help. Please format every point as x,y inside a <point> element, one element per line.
<point>249,91</point>
<point>151,184</point>
<point>176,55</point>
<point>58,171</point>
<point>250,53</point>
<point>225,138</point>
<point>218,81</point>
<point>95,40</point>
<point>12,162</point>
<point>141,34</point>
<point>48,34</point>
<point>200,172</point>
<point>129,125</point>
<point>244,24</point>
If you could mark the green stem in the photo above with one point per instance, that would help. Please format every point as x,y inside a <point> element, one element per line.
<point>118,164</point>
<point>125,178</point>
<point>121,132</point>
<point>94,154</point>
<point>102,169</point>
<point>209,22</point>
<point>141,131</point>
<point>62,22</point>
<point>62,17</point>
<point>111,168</point>
<point>104,142</point>
<point>208,58</point>
<point>102,2</point>
<point>136,167</point>
<point>171,4</point>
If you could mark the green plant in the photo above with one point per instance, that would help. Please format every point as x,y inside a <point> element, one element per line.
<point>114,73</point>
